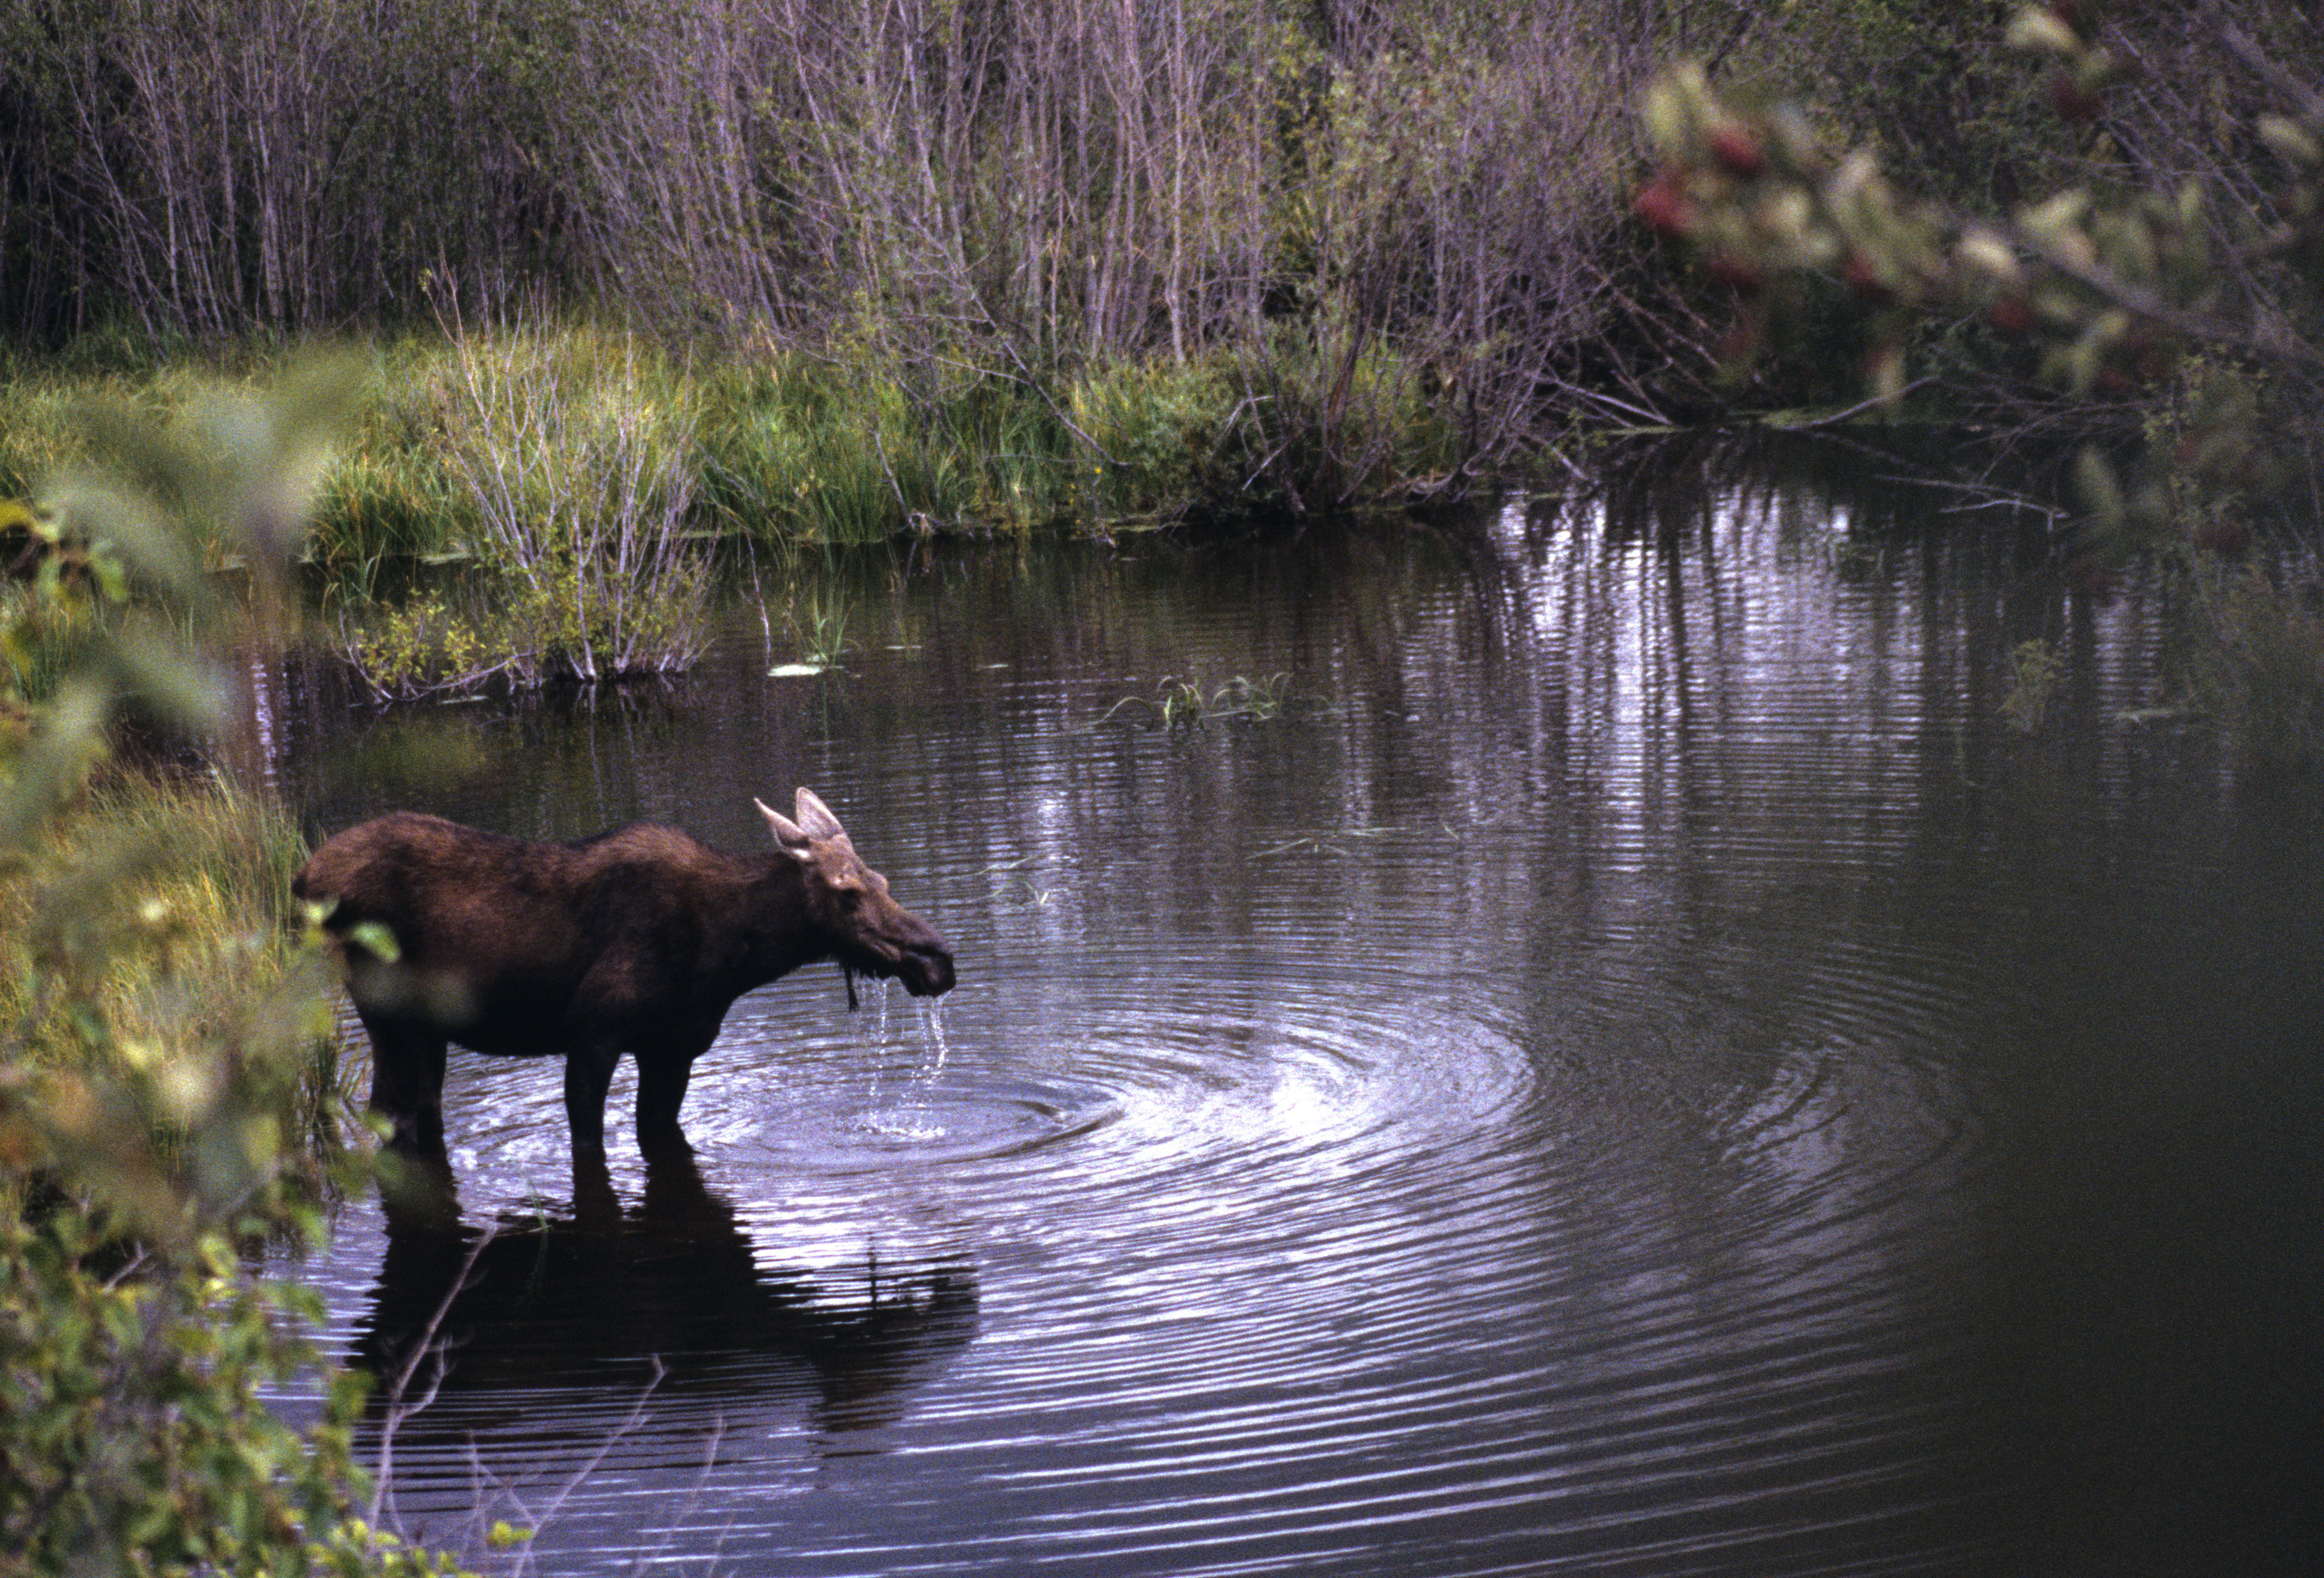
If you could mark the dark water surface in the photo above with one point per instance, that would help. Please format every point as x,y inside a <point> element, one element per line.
<point>1637,1067</point>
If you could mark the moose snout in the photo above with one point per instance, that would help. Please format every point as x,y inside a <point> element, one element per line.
<point>918,957</point>
<point>925,967</point>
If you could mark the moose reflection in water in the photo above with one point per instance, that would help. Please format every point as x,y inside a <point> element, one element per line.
<point>469,1329</point>
<point>635,941</point>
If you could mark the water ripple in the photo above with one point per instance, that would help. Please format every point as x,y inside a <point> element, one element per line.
<point>1263,1234</point>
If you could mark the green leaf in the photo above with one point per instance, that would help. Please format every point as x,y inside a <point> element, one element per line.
<point>2101,492</point>
<point>375,939</point>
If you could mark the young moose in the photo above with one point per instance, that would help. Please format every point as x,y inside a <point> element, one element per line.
<point>634,941</point>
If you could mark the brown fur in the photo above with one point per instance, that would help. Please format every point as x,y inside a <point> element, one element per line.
<point>634,941</point>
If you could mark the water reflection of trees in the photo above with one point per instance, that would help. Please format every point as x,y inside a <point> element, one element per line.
<point>1697,603</point>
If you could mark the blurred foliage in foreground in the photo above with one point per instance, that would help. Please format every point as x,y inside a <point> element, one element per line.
<point>2191,296</point>
<point>168,1099</point>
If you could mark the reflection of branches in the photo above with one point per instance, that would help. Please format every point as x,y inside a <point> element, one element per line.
<point>1984,495</point>
<point>1834,419</point>
<point>534,1521</point>
<point>427,1346</point>
<point>685,1512</point>
<point>398,1408</point>
<point>669,1293</point>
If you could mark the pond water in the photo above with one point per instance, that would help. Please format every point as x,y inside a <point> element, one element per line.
<point>1622,1060</point>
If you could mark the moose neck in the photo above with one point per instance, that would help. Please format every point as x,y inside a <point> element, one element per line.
<point>768,931</point>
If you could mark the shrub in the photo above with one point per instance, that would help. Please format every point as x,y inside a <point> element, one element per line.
<point>2171,310</point>
<point>1162,429</point>
<point>2261,670</point>
<point>578,452</point>
<point>162,1096</point>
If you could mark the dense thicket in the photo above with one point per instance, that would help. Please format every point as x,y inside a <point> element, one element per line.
<point>1068,175</point>
<point>2168,96</point>
<point>1020,188</point>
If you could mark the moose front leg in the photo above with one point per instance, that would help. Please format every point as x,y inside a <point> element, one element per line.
<point>661,1090</point>
<point>407,1084</point>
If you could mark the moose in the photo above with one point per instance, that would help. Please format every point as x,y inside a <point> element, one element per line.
<point>637,940</point>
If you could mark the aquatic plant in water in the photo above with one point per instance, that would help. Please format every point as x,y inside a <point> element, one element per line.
<point>2034,669</point>
<point>1189,702</point>
<point>820,628</point>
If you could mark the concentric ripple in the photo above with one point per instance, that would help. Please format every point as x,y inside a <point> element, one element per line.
<point>1192,1261</point>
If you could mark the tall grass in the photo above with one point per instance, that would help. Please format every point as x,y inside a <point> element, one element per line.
<point>856,450</point>
<point>38,435</point>
<point>189,944</point>
<point>389,494</point>
<point>796,446</point>
<point>578,475</point>
<point>827,449</point>
<point>58,421</point>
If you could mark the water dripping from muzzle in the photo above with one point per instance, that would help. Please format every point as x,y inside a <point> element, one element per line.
<point>848,970</point>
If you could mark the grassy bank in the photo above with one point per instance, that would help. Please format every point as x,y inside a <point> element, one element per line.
<point>849,445</point>
<point>583,471</point>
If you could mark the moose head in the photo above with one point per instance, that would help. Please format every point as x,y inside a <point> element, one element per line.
<point>847,902</point>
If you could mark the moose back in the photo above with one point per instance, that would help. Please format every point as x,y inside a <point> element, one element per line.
<point>635,941</point>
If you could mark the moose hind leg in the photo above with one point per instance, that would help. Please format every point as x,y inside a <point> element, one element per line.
<point>588,1075</point>
<point>407,1084</point>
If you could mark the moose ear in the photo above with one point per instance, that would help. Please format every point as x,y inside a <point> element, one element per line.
<point>815,816</point>
<point>790,836</point>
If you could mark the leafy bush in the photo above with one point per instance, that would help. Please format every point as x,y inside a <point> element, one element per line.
<point>166,1092</point>
<point>1163,429</point>
<point>2261,670</point>
<point>2175,312</point>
